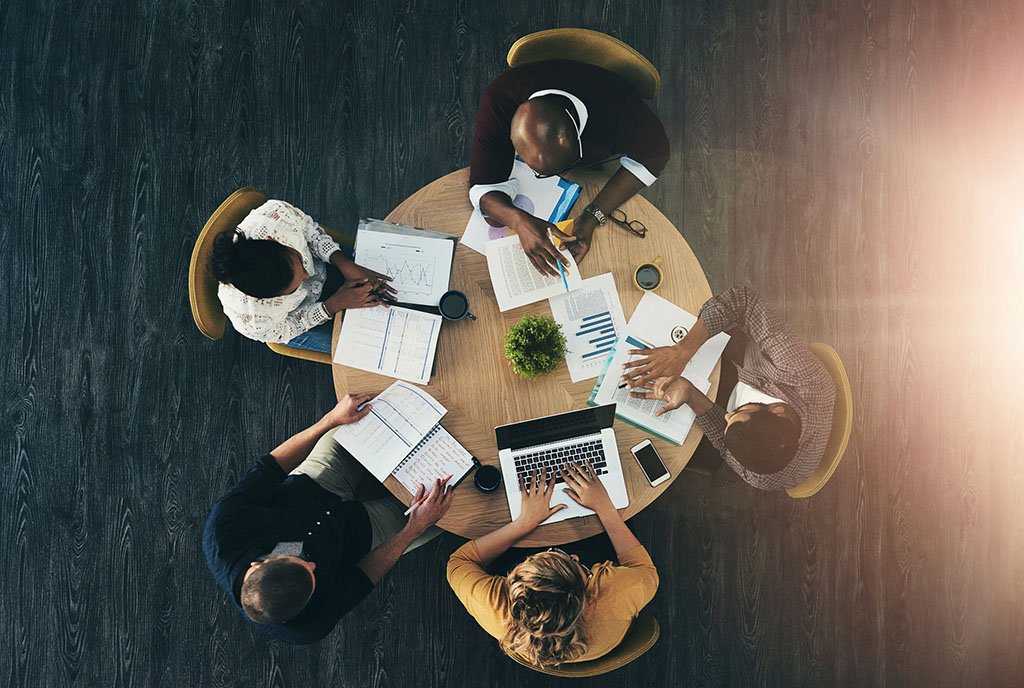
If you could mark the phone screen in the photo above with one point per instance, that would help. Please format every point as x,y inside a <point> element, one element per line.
<point>649,460</point>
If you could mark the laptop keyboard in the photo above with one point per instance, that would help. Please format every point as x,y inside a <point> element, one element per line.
<point>555,458</point>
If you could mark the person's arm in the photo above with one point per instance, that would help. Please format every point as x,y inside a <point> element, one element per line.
<point>622,186</point>
<point>533,232</point>
<point>536,499</point>
<point>424,514</point>
<point>294,450</point>
<point>586,489</point>
<point>664,361</point>
<point>741,308</point>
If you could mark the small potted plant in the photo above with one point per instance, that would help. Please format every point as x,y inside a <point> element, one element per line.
<point>534,346</point>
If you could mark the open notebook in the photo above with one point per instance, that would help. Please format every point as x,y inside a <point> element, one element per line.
<point>402,436</point>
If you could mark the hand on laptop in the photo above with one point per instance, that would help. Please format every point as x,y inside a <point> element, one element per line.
<point>536,493</point>
<point>585,488</point>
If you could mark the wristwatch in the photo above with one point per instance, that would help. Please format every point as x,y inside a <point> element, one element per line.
<point>594,211</point>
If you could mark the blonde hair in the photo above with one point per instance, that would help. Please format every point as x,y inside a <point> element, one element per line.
<point>547,596</point>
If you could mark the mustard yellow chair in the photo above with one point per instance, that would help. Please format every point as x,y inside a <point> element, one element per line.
<point>202,287</point>
<point>639,639</point>
<point>842,423</point>
<point>591,47</point>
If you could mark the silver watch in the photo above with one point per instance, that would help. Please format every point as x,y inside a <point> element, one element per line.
<point>596,213</point>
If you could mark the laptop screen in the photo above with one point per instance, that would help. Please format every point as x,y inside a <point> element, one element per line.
<point>561,426</point>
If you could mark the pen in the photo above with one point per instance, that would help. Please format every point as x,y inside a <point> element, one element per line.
<point>424,497</point>
<point>561,270</point>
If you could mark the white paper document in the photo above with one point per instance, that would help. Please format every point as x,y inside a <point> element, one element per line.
<point>550,199</point>
<point>400,417</point>
<point>657,322</point>
<point>517,283</point>
<point>592,321</point>
<point>436,457</point>
<point>418,261</point>
<point>397,342</point>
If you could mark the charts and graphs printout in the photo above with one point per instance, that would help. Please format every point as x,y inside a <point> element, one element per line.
<point>419,264</point>
<point>592,321</point>
<point>397,342</point>
<point>400,417</point>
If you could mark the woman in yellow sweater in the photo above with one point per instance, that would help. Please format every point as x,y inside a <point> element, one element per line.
<point>549,609</point>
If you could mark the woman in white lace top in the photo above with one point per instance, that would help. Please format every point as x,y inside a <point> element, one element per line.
<point>272,270</point>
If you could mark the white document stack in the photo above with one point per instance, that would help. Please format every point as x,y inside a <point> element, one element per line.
<point>657,322</point>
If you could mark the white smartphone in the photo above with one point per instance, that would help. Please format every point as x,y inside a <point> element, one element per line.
<point>650,463</point>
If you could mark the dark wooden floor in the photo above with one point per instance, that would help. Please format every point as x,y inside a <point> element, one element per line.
<point>859,163</point>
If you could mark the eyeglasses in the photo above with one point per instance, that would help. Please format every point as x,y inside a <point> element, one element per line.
<point>579,143</point>
<point>635,226</point>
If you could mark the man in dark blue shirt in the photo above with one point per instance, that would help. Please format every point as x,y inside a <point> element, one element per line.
<point>292,547</point>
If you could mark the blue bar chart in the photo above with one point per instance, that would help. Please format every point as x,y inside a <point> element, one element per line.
<point>596,336</point>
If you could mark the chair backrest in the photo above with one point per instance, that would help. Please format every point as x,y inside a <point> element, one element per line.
<point>639,639</point>
<point>591,47</point>
<point>202,287</point>
<point>842,423</point>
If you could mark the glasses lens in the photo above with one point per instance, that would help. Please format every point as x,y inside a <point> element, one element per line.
<point>618,215</point>
<point>638,227</point>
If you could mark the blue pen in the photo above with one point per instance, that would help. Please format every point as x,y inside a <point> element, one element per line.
<point>561,270</point>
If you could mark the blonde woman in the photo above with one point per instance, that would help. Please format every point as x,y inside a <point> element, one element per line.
<point>549,609</point>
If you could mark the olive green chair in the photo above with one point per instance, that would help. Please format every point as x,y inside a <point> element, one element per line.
<point>591,47</point>
<point>639,639</point>
<point>202,287</point>
<point>842,425</point>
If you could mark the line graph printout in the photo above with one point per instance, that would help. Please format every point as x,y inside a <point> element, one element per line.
<point>397,342</point>
<point>419,266</point>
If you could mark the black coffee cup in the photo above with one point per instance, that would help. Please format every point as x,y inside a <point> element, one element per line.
<point>454,305</point>
<point>487,478</point>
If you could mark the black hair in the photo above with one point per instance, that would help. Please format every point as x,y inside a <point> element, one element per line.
<point>765,442</point>
<point>276,591</point>
<point>258,267</point>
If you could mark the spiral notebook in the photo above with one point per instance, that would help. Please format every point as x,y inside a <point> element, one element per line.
<point>402,436</point>
<point>437,456</point>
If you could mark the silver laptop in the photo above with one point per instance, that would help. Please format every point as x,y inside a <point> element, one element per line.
<point>553,441</point>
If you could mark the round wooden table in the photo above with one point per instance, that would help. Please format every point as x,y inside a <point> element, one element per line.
<point>475,383</point>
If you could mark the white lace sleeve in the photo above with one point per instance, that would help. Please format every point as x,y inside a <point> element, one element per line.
<point>320,242</point>
<point>299,321</point>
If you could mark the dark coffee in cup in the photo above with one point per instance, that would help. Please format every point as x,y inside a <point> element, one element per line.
<point>487,478</point>
<point>648,276</point>
<point>454,305</point>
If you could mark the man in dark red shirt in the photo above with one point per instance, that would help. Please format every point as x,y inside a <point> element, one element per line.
<point>556,115</point>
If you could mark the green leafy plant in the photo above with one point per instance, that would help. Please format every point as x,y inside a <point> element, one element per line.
<point>534,346</point>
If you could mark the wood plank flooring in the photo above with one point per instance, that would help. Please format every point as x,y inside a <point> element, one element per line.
<point>858,163</point>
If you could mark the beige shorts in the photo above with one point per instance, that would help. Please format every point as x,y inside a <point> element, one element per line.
<point>334,470</point>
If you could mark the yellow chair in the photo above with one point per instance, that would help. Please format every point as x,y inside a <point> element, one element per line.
<point>202,287</point>
<point>639,639</point>
<point>842,423</point>
<point>591,47</point>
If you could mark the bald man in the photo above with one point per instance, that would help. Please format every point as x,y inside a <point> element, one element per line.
<point>557,115</point>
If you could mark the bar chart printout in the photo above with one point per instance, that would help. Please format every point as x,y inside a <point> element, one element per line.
<point>592,321</point>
